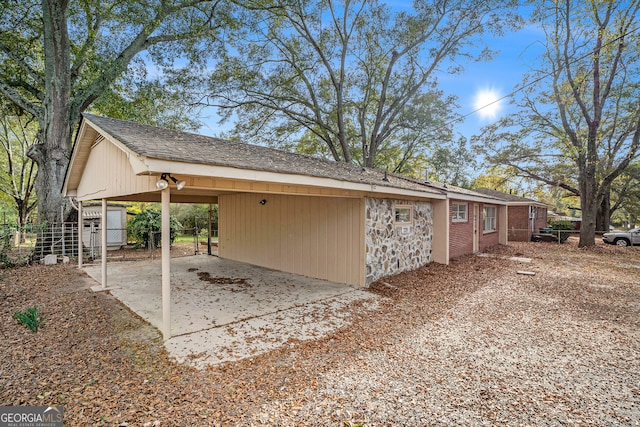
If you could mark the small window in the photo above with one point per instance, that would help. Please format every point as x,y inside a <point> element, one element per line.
<point>459,212</point>
<point>489,214</point>
<point>403,214</point>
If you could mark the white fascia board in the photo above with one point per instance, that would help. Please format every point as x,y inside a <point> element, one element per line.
<point>479,199</point>
<point>542,205</point>
<point>157,166</point>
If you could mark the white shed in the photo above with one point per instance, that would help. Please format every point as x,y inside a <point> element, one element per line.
<point>116,226</point>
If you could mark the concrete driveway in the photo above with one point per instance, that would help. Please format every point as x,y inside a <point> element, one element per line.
<point>225,310</point>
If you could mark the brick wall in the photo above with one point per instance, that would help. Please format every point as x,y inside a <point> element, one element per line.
<point>541,219</point>
<point>519,224</point>
<point>491,238</point>
<point>461,233</point>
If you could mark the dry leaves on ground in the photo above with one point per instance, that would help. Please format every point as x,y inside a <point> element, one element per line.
<point>470,343</point>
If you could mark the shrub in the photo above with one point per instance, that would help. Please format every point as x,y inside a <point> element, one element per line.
<point>30,317</point>
<point>562,224</point>
<point>149,222</point>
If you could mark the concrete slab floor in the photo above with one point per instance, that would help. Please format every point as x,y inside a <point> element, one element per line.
<point>224,310</point>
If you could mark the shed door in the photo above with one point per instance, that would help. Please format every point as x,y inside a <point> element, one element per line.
<point>114,227</point>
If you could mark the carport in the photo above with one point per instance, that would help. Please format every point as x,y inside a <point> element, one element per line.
<point>283,211</point>
<point>226,310</point>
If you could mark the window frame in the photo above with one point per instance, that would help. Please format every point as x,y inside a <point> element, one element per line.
<point>455,213</point>
<point>396,208</point>
<point>492,219</point>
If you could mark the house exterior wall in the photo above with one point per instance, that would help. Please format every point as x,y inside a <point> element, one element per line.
<point>461,232</point>
<point>321,237</point>
<point>490,238</point>
<point>541,218</point>
<point>520,224</point>
<point>393,247</point>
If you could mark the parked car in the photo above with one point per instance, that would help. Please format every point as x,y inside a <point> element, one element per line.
<point>623,238</point>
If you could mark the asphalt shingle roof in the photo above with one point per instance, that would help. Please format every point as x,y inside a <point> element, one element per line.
<point>504,196</point>
<point>166,144</point>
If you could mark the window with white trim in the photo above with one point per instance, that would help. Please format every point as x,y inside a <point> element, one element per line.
<point>459,212</point>
<point>403,214</point>
<point>489,215</point>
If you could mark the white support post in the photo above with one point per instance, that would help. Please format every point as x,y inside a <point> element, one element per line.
<point>209,231</point>
<point>80,228</point>
<point>166,265</point>
<point>103,242</point>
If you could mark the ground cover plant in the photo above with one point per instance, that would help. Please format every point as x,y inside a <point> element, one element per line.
<point>473,343</point>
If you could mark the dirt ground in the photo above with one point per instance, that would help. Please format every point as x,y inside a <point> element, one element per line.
<point>475,343</point>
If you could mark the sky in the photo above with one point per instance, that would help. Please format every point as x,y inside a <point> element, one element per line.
<point>484,89</point>
<point>478,86</point>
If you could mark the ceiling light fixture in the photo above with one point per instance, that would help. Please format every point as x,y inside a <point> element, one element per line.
<point>163,182</point>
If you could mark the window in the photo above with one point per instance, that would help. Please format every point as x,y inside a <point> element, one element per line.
<point>403,214</point>
<point>459,212</point>
<point>489,214</point>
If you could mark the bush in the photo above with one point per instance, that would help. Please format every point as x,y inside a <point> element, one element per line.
<point>562,224</point>
<point>150,222</point>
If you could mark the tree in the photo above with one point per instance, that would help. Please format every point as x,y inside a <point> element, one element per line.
<point>17,171</point>
<point>58,57</point>
<point>578,125</point>
<point>625,194</point>
<point>353,79</point>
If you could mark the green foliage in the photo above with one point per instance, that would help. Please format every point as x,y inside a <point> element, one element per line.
<point>30,317</point>
<point>17,171</point>
<point>149,223</point>
<point>559,225</point>
<point>360,87</point>
<point>188,214</point>
<point>5,250</point>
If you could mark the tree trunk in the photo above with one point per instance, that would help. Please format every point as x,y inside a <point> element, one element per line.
<point>603,218</point>
<point>53,152</point>
<point>589,205</point>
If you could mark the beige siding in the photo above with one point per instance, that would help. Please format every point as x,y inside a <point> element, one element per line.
<point>108,174</point>
<point>320,237</point>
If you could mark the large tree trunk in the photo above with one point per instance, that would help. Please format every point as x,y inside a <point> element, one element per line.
<point>52,154</point>
<point>589,205</point>
<point>54,122</point>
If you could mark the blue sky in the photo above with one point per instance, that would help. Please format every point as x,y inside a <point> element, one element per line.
<point>517,54</point>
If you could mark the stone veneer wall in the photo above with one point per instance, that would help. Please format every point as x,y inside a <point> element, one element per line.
<point>388,249</point>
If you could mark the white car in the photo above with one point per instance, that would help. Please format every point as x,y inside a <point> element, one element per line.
<point>623,238</point>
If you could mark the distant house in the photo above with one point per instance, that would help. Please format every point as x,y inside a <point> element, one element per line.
<point>526,216</point>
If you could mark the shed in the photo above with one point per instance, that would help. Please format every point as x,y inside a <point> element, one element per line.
<point>116,226</point>
<point>290,212</point>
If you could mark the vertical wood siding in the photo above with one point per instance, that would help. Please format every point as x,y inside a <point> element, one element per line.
<point>108,173</point>
<point>321,237</point>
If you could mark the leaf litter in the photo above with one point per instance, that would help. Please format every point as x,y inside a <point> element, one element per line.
<point>469,343</point>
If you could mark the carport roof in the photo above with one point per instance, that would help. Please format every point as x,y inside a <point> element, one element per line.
<point>166,144</point>
<point>176,146</point>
